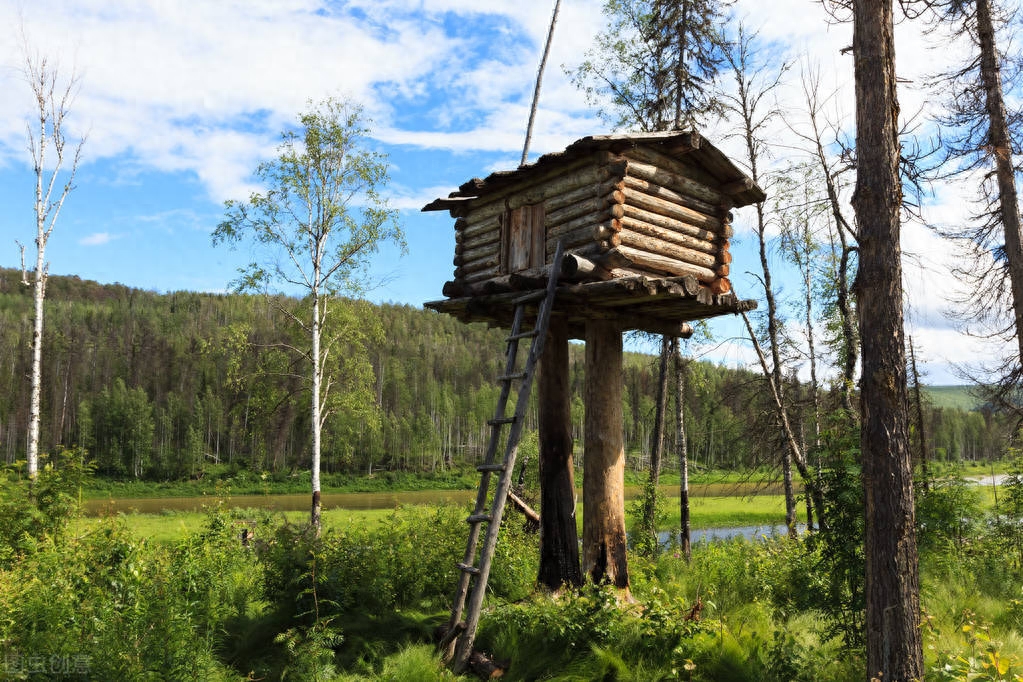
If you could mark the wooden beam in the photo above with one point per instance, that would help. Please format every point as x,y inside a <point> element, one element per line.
<point>604,551</point>
<point>559,538</point>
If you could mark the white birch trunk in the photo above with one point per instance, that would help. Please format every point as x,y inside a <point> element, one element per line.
<point>317,377</point>
<point>35,407</point>
<point>52,108</point>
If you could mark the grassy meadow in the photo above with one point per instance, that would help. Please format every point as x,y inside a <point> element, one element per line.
<point>177,596</point>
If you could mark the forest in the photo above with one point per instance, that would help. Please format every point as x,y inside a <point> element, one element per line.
<point>905,569</point>
<point>164,386</point>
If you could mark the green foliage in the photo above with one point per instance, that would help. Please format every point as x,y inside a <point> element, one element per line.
<point>1009,512</point>
<point>105,605</point>
<point>651,66</point>
<point>37,515</point>
<point>947,512</point>
<point>553,633</point>
<point>220,405</point>
<point>649,511</point>
<point>406,562</point>
<point>322,207</point>
<point>838,548</point>
<point>361,602</point>
<point>980,658</point>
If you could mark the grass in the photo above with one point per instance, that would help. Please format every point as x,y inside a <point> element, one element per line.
<point>220,479</point>
<point>172,527</point>
<point>706,512</point>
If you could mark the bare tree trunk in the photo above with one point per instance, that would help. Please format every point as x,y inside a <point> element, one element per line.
<point>539,81</point>
<point>746,103</point>
<point>1001,149</point>
<point>559,537</point>
<point>842,298</point>
<point>657,451</point>
<point>787,432</point>
<point>776,369</point>
<point>683,451</point>
<point>894,650</point>
<point>604,544</point>
<point>919,403</point>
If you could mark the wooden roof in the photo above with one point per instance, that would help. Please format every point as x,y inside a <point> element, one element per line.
<point>657,305</point>
<point>731,179</point>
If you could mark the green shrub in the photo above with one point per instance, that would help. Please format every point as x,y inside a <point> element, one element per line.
<point>39,512</point>
<point>105,605</point>
<point>947,512</point>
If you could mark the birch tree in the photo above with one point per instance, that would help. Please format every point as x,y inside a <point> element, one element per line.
<point>48,146</point>
<point>316,224</point>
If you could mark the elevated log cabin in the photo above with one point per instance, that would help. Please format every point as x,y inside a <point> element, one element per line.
<point>645,220</point>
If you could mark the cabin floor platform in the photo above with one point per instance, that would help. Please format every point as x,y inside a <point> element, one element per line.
<point>660,305</point>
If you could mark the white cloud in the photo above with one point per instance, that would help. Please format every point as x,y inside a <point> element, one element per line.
<point>97,239</point>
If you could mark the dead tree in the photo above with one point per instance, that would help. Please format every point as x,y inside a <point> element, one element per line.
<point>894,650</point>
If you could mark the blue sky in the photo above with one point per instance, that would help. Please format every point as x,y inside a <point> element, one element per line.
<point>181,100</point>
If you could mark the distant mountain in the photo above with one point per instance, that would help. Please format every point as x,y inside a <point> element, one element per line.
<point>961,397</point>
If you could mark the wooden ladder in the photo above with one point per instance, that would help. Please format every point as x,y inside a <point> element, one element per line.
<point>458,640</point>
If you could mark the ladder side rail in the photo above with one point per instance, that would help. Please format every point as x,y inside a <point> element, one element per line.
<point>468,558</point>
<point>468,636</point>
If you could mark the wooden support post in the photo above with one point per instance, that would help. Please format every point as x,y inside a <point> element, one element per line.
<point>559,539</point>
<point>604,543</point>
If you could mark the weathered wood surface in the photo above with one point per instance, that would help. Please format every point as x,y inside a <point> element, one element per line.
<point>704,214</point>
<point>674,224</point>
<point>678,167</point>
<point>608,202</point>
<point>635,212</point>
<point>483,228</point>
<point>545,186</point>
<point>721,286</point>
<point>659,305</point>
<point>656,263</point>
<point>604,550</point>
<point>664,177</point>
<point>576,266</point>
<point>667,249</point>
<point>532,517</point>
<point>585,221</point>
<point>559,201</point>
<point>559,552</point>
<point>668,235</point>
<point>670,209</point>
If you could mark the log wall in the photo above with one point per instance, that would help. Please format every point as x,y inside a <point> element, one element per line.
<point>641,211</point>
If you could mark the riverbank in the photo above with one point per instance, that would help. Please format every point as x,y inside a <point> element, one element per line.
<point>169,525</point>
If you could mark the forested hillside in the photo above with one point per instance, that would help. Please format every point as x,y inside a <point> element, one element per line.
<point>160,386</point>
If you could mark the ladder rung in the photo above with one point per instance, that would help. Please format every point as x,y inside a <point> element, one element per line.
<point>490,467</point>
<point>477,518</point>
<point>501,420</point>
<point>466,568</point>
<point>524,335</point>
<point>512,377</point>
<point>530,297</point>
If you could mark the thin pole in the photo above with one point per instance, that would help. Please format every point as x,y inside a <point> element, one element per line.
<point>539,80</point>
